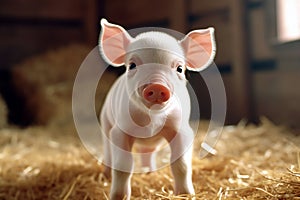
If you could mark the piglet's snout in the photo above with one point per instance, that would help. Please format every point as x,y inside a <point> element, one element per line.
<point>156,93</point>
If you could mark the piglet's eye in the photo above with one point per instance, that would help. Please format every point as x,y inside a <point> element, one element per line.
<point>132,66</point>
<point>179,69</point>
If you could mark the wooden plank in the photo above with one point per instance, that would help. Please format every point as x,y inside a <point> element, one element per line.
<point>177,15</point>
<point>49,9</point>
<point>260,43</point>
<point>137,12</point>
<point>91,23</point>
<point>197,7</point>
<point>279,101</point>
<point>232,116</point>
<point>221,24</point>
<point>241,62</point>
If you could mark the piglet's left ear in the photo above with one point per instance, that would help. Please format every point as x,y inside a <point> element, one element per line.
<point>200,48</point>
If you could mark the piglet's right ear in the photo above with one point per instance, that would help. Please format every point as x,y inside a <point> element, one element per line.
<point>113,43</point>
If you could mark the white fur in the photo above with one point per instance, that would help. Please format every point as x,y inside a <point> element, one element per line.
<point>156,40</point>
<point>127,119</point>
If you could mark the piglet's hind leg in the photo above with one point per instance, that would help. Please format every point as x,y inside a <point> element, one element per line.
<point>148,158</point>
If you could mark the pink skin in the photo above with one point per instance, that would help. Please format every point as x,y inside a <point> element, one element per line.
<point>150,104</point>
<point>156,93</point>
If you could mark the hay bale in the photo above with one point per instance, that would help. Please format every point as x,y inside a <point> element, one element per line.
<point>3,113</point>
<point>45,82</point>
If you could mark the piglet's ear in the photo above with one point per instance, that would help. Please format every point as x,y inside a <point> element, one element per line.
<point>113,43</point>
<point>200,48</point>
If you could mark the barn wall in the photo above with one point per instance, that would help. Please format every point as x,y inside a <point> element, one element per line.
<point>260,78</point>
<point>275,70</point>
<point>31,27</point>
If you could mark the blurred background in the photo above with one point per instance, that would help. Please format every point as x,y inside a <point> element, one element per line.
<point>258,50</point>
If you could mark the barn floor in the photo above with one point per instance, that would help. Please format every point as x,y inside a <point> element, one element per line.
<point>252,162</point>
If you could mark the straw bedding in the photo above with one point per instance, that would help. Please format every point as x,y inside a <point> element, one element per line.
<point>253,162</point>
<point>49,162</point>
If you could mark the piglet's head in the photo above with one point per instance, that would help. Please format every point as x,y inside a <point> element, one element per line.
<point>156,61</point>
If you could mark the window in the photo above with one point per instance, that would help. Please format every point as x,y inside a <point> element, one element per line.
<point>288,20</point>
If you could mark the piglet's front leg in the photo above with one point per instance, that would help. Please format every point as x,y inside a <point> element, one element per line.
<point>122,164</point>
<point>181,160</point>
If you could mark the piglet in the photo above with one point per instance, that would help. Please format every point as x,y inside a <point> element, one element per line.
<point>150,102</point>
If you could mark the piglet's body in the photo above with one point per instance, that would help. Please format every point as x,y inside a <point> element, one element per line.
<point>149,104</point>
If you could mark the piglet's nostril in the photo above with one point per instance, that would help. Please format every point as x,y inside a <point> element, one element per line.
<point>156,93</point>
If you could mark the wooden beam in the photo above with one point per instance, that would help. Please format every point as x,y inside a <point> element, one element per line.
<point>91,22</point>
<point>207,6</point>
<point>42,9</point>
<point>241,60</point>
<point>178,15</point>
